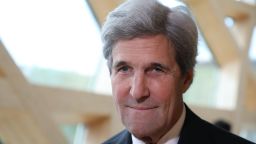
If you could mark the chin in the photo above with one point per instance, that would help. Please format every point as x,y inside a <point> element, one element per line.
<point>143,135</point>
<point>141,128</point>
<point>140,132</point>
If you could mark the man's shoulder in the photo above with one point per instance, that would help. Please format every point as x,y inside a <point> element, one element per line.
<point>124,137</point>
<point>222,136</point>
<point>197,130</point>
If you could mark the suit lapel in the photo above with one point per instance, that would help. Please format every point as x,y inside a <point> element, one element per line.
<point>190,132</point>
<point>125,138</point>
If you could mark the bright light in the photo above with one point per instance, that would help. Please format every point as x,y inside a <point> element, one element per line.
<point>171,3</point>
<point>229,21</point>
<point>53,34</point>
<point>252,49</point>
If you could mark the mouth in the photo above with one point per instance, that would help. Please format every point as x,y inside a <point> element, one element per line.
<point>143,107</point>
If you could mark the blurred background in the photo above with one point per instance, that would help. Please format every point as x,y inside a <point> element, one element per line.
<point>55,86</point>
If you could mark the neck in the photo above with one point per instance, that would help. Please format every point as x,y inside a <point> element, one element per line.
<point>147,140</point>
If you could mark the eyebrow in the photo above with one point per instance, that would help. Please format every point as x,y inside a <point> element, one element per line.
<point>153,64</point>
<point>118,64</point>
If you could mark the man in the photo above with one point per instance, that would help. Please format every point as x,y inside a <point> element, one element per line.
<point>151,52</point>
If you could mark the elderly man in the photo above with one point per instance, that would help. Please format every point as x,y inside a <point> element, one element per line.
<point>151,52</point>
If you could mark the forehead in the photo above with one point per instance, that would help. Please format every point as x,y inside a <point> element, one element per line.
<point>151,48</point>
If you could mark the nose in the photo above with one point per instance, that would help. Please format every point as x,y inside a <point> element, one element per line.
<point>139,89</point>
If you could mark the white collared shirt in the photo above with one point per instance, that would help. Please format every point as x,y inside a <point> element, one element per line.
<point>172,136</point>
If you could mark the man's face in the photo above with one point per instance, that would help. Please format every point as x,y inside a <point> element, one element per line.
<point>147,85</point>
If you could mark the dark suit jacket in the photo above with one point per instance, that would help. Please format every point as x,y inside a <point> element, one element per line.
<point>194,131</point>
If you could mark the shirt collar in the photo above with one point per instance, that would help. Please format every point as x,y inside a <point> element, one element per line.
<point>172,136</point>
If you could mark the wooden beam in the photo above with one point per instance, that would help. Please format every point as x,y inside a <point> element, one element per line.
<point>1,73</point>
<point>9,68</point>
<point>50,107</point>
<point>211,21</point>
<point>244,16</point>
<point>8,98</point>
<point>242,33</point>
<point>238,10</point>
<point>22,90</point>
<point>71,102</point>
<point>250,98</point>
<point>16,126</point>
<point>102,8</point>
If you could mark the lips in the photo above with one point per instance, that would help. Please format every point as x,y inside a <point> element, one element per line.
<point>142,107</point>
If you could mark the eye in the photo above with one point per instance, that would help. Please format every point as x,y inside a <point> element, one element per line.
<point>157,69</point>
<point>123,69</point>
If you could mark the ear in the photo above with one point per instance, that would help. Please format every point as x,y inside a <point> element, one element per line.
<point>187,80</point>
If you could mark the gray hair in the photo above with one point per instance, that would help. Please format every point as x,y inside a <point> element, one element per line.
<point>136,18</point>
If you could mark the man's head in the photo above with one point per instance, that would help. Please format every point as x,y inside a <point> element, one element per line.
<point>151,52</point>
<point>136,18</point>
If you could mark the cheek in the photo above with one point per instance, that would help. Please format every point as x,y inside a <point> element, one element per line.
<point>120,90</point>
<point>164,90</point>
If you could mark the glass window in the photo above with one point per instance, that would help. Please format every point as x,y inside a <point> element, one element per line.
<point>54,42</point>
<point>206,78</point>
<point>75,133</point>
<point>252,49</point>
<point>250,2</point>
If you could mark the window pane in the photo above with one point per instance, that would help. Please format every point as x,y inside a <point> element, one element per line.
<point>75,133</point>
<point>54,42</point>
<point>203,90</point>
<point>252,49</point>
